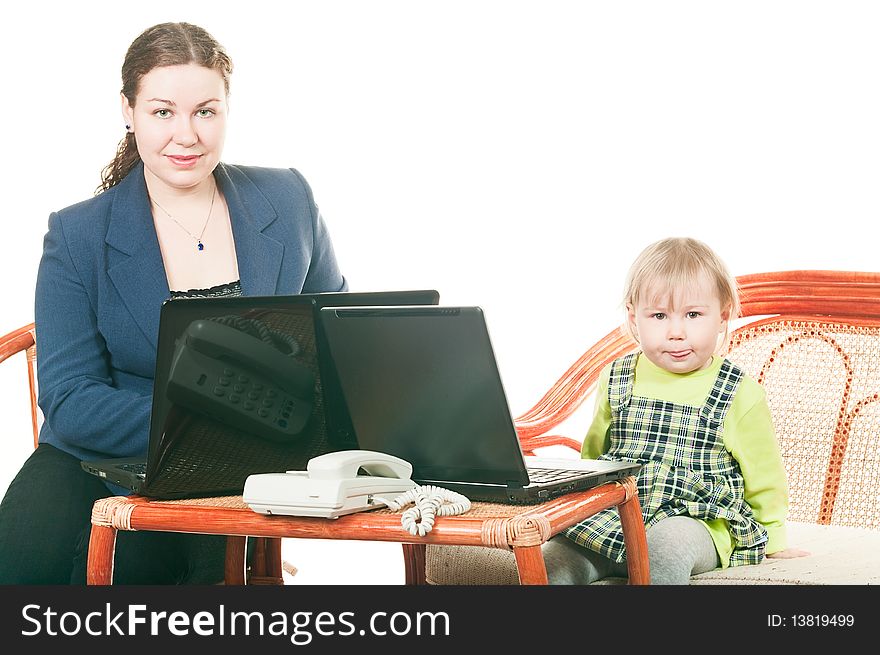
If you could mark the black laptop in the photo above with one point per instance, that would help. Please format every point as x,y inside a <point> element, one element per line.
<point>422,383</point>
<point>242,386</point>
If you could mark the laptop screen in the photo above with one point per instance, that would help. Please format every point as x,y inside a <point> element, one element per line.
<point>422,383</point>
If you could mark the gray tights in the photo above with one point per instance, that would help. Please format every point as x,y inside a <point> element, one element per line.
<point>678,547</point>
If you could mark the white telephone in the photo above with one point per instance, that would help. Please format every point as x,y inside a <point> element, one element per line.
<point>330,486</point>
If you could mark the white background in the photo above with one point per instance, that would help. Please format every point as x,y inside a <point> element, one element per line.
<point>514,155</point>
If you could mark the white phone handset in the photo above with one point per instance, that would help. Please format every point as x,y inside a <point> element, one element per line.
<point>347,463</point>
<point>331,485</point>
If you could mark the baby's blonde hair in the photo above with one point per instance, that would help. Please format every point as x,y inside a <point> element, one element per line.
<point>676,263</point>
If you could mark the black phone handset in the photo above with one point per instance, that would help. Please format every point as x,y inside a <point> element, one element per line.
<point>230,370</point>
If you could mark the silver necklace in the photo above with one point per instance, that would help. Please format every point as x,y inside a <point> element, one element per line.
<point>198,239</point>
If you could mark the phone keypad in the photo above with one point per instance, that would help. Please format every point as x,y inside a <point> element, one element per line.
<point>257,406</point>
<point>243,398</point>
<point>266,403</point>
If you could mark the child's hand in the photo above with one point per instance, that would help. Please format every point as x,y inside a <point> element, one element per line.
<point>789,553</point>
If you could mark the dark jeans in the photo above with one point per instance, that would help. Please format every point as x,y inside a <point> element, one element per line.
<point>45,527</point>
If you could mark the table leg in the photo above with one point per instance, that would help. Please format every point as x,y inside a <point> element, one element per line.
<point>236,549</point>
<point>530,565</point>
<point>102,546</point>
<point>414,563</point>
<point>266,562</point>
<point>273,560</point>
<point>634,540</point>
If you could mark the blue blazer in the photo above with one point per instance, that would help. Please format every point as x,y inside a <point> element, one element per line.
<point>101,284</point>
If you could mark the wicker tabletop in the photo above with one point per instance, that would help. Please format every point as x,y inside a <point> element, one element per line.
<point>522,528</point>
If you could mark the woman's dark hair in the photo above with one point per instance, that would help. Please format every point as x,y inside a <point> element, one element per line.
<point>166,44</point>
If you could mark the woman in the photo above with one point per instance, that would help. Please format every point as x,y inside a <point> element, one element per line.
<point>169,220</point>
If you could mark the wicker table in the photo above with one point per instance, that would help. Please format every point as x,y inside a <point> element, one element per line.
<point>522,528</point>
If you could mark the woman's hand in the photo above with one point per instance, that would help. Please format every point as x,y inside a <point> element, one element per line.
<point>789,553</point>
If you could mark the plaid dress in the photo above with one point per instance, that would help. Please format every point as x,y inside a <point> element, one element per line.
<point>686,468</point>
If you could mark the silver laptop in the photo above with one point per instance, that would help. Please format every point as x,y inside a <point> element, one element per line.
<point>422,383</point>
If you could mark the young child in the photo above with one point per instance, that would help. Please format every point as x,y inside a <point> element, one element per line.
<point>712,487</point>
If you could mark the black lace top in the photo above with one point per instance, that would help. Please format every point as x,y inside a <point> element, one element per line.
<point>219,291</point>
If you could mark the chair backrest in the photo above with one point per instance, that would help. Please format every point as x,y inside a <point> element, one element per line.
<point>818,358</point>
<point>813,341</point>
<point>24,339</point>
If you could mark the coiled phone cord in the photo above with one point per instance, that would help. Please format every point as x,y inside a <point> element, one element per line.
<point>430,502</point>
<point>286,343</point>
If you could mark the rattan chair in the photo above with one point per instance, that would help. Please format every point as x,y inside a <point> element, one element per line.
<point>23,340</point>
<point>266,564</point>
<point>812,338</point>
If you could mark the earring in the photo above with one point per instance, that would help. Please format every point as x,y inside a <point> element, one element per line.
<point>127,127</point>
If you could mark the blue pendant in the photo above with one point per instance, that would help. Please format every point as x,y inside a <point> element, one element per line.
<point>201,246</point>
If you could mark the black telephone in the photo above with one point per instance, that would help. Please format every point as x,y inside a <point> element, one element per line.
<point>236,378</point>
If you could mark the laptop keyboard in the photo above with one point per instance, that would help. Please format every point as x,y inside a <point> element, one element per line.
<point>138,468</point>
<point>553,475</point>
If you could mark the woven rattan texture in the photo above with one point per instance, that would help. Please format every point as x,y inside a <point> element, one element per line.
<point>206,458</point>
<point>477,510</point>
<point>470,565</point>
<point>226,502</point>
<point>483,510</point>
<point>822,382</point>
